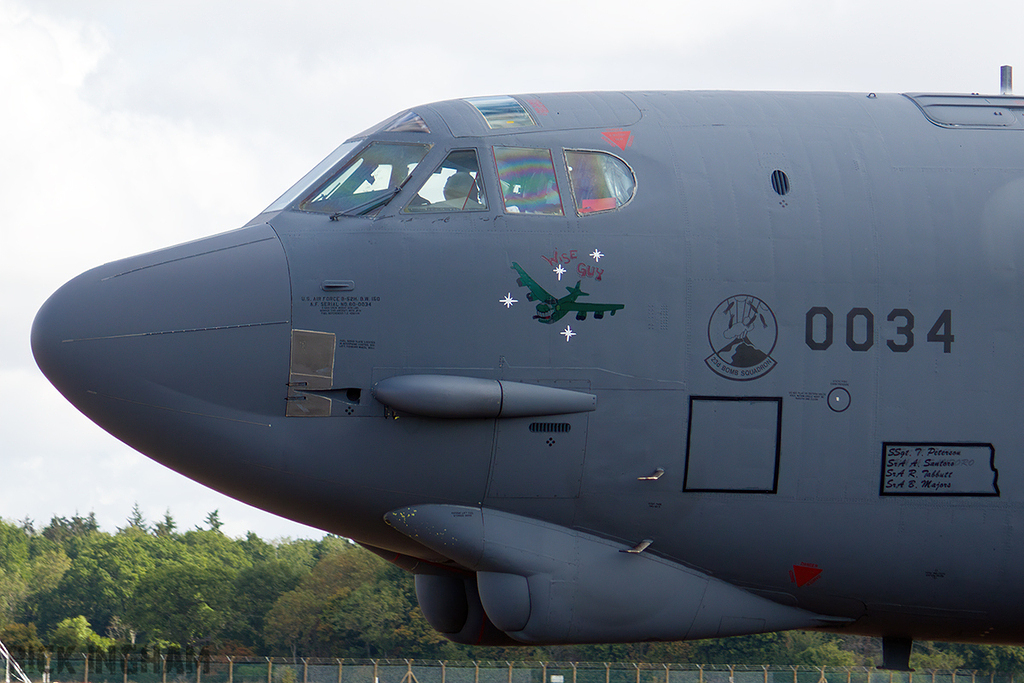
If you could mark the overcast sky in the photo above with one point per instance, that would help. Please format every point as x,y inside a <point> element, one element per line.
<point>128,126</point>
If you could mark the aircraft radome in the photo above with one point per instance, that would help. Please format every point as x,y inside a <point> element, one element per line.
<point>614,366</point>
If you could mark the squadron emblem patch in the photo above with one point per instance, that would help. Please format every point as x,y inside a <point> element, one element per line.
<point>742,333</point>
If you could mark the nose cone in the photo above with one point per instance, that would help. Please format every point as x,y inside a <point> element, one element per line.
<point>170,350</point>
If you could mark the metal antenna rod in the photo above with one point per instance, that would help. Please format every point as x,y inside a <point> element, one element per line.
<point>1006,80</point>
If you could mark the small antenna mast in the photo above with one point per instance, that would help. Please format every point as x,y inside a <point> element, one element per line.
<point>1006,80</point>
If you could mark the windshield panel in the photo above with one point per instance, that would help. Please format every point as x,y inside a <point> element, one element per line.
<point>454,186</point>
<point>381,168</point>
<point>528,183</point>
<point>302,187</point>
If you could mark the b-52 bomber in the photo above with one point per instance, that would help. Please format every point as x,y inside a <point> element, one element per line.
<point>551,310</point>
<point>805,415</point>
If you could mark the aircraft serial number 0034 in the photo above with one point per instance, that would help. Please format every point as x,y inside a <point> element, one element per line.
<point>545,352</point>
<point>820,338</point>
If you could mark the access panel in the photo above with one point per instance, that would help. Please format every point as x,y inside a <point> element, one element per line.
<point>733,444</point>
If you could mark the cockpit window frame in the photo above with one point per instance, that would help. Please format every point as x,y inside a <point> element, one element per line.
<point>325,180</point>
<point>527,196</point>
<point>447,205</point>
<point>327,165</point>
<point>572,184</point>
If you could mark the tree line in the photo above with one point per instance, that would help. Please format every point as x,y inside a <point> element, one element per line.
<point>72,587</point>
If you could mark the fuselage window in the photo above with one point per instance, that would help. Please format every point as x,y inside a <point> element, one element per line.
<point>527,179</point>
<point>454,186</point>
<point>368,181</point>
<point>600,181</point>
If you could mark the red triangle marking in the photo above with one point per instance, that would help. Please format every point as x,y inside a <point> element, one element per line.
<point>620,138</point>
<point>803,575</point>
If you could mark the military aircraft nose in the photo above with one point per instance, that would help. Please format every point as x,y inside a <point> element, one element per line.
<point>194,337</point>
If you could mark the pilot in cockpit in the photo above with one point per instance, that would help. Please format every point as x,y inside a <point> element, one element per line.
<point>460,192</point>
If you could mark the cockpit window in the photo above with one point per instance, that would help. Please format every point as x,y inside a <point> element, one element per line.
<point>454,186</point>
<point>302,187</point>
<point>368,181</point>
<point>600,181</point>
<point>402,122</point>
<point>528,183</point>
<point>409,122</point>
<point>502,112</point>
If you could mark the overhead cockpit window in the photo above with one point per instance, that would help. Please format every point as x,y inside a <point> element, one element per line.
<point>402,122</point>
<point>368,181</point>
<point>600,181</point>
<point>528,183</point>
<point>502,112</point>
<point>454,186</point>
<point>409,122</point>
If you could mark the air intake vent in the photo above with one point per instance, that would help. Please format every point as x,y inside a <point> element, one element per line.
<point>780,183</point>
<point>549,427</point>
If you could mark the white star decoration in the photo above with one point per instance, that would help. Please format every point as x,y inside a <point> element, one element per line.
<point>597,255</point>
<point>559,271</point>
<point>568,333</point>
<point>508,300</point>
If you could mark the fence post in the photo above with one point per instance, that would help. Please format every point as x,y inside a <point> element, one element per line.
<point>573,672</point>
<point>666,674</point>
<point>231,669</point>
<point>270,669</point>
<point>86,679</point>
<point>476,676</point>
<point>607,673</point>
<point>376,677</point>
<point>637,672</point>
<point>543,672</point>
<point>163,667</point>
<point>732,667</point>
<point>339,670</point>
<point>509,671</point>
<point>700,668</point>
<point>305,670</point>
<point>199,668</point>
<point>124,666</point>
<point>794,673</point>
<point>821,679</point>
<point>443,672</point>
<point>765,667</point>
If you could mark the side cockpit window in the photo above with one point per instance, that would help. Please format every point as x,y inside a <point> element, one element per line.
<point>368,181</point>
<point>455,185</point>
<point>600,181</point>
<point>527,179</point>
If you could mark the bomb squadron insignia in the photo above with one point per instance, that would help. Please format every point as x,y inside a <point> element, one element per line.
<point>742,333</point>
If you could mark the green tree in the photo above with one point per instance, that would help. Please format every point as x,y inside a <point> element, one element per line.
<point>167,526</point>
<point>213,520</point>
<point>254,592</point>
<point>21,638</point>
<point>13,547</point>
<point>183,603</point>
<point>100,581</point>
<point>136,520</point>
<point>75,634</point>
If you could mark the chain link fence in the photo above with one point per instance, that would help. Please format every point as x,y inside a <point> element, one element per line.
<point>197,667</point>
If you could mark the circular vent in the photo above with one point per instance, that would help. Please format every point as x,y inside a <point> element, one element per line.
<point>780,182</point>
